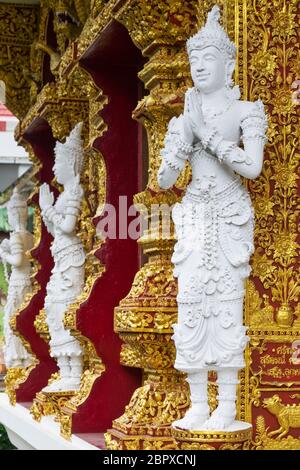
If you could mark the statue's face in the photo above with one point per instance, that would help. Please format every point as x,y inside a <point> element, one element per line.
<point>208,69</point>
<point>62,172</point>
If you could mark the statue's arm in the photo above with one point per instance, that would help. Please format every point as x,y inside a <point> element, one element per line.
<point>48,224</point>
<point>66,222</point>
<point>5,245</point>
<point>46,201</point>
<point>166,176</point>
<point>50,218</point>
<point>173,155</point>
<point>14,256</point>
<point>247,161</point>
<point>73,206</point>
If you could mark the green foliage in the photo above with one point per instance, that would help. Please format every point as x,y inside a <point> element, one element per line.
<point>3,282</point>
<point>5,443</point>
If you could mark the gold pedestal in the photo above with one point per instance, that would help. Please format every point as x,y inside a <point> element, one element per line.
<point>146,423</point>
<point>50,403</point>
<point>116,440</point>
<point>213,440</point>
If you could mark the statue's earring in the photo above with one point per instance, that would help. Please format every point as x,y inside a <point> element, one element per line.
<point>229,71</point>
<point>229,81</point>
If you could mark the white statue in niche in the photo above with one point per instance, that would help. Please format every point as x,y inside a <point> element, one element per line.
<point>14,252</point>
<point>67,278</point>
<point>214,224</point>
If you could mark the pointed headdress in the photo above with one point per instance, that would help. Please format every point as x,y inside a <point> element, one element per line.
<point>71,152</point>
<point>212,34</point>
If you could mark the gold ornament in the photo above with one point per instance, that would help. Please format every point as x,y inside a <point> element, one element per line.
<point>263,441</point>
<point>17,32</point>
<point>216,440</point>
<point>288,416</point>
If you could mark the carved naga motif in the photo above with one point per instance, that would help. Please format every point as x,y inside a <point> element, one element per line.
<point>69,18</point>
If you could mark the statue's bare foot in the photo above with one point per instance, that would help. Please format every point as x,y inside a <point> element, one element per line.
<point>219,420</point>
<point>62,385</point>
<point>56,386</point>
<point>193,419</point>
<point>73,383</point>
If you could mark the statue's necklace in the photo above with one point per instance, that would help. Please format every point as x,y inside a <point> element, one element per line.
<point>210,114</point>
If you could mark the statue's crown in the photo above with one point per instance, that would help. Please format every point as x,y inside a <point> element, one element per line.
<point>16,201</point>
<point>71,152</point>
<point>212,34</point>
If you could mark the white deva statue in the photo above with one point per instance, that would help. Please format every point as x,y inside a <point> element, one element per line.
<point>13,252</point>
<point>214,223</point>
<point>67,278</point>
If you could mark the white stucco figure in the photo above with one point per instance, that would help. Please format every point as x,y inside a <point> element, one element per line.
<point>13,251</point>
<point>67,277</point>
<point>223,138</point>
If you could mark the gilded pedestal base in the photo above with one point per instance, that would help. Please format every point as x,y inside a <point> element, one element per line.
<point>50,403</point>
<point>119,441</point>
<point>217,440</point>
<point>145,425</point>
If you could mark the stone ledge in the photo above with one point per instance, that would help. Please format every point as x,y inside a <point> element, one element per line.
<point>27,434</point>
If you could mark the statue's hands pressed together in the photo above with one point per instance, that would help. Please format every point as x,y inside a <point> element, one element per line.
<point>179,142</point>
<point>46,197</point>
<point>49,214</point>
<point>188,119</point>
<point>4,249</point>
<point>194,121</point>
<point>4,245</point>
<point>193,116</point>
<point>2,252</point>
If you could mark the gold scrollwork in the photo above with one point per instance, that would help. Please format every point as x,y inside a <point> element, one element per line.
<point>205,440</point>
<point>41,325</point>
<point>269,52</point>
<point>18,31</point>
